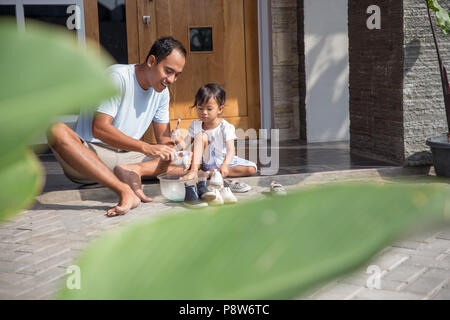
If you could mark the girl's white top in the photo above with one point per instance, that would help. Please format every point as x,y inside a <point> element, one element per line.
<point>217,137</point>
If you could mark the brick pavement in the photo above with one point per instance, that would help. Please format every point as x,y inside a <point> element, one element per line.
<point>38,245</point>
<point>417,268</point>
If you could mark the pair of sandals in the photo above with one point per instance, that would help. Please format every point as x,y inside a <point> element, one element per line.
<point>277,189</point>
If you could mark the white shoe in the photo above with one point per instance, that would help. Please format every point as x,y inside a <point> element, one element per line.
<point>218,200</point>
<point>216,179</point>
<point>183,159</point>
<point>227,195</point>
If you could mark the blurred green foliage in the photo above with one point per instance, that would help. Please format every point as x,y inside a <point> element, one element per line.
<point>268,249</point>
<point>44,73</point>
<point>442,16</point>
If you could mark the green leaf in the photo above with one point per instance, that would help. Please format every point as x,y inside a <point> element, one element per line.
<point>44,73</point>
<point>442,16</point>
<point>21,179</point>
<point>267,249</point>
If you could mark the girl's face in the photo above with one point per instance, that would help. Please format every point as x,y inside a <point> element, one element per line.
<point>209,111</point>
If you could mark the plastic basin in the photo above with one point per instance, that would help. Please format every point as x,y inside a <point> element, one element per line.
<point>172,187</point>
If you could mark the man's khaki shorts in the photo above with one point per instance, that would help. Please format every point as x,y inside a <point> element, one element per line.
<point>110,157</point>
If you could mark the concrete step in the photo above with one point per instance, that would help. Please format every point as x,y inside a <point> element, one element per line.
<point>289,181</point>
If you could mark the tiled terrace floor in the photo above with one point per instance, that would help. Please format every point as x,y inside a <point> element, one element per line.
<point>294,157</point>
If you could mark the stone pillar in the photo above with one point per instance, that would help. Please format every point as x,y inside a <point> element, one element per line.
<point>285,69</point>
<point>396,99</point>
<point>375,83</point>
<point>423,102</point>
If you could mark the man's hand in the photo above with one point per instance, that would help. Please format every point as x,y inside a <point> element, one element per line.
<point>164,152</point>
<point>181,145</point>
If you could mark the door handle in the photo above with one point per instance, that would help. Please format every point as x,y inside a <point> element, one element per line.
<point>146,20</point>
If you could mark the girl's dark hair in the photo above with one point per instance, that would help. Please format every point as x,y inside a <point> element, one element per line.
<point>208,91</point>
<point>163,47</point>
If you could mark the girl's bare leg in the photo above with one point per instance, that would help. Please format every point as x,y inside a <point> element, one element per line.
<point>199,148</point>
<point>241,171</point>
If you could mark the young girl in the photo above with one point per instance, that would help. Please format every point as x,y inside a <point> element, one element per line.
<point>213,137</point>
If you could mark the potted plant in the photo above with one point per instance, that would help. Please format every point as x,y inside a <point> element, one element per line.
<point>440,145</point>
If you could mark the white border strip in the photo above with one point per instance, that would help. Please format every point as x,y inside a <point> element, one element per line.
<point>265,62</point>
<point>81,33</point>
<point>20,15</point>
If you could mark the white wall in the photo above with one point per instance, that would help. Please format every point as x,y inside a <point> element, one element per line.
<point>327,68</point>
<point>70,120</point>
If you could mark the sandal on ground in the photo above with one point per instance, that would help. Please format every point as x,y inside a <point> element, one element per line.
<point>277,189</point>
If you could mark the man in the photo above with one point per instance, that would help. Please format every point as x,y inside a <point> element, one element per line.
<point>105,148</point>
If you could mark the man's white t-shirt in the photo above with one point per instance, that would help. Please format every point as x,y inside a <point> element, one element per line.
<point>217,137</point>
<point>133,109</point>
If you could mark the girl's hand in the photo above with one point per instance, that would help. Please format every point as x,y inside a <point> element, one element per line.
<point>224,171</point>
<point>175,136</point>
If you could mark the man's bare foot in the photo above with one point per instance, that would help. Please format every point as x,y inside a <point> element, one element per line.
<point>128,201</point>
<point>127,175</point>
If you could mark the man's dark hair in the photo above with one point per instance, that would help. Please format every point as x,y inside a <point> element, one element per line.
<point>164,47</point>
<point>208,91</point>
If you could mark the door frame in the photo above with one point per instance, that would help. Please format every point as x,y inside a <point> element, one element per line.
<point>265,64</point>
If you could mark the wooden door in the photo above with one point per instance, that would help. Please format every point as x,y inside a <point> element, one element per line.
<point>232,62</point>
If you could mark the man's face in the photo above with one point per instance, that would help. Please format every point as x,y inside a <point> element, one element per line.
<point>166,72</point>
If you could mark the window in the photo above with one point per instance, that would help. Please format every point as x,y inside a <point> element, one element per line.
<point>56,12</point>
<point>51,11</point>
<point>200,39</point>
<point>53,14</point>
<point>113,29</point>
<point>7,10</point>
